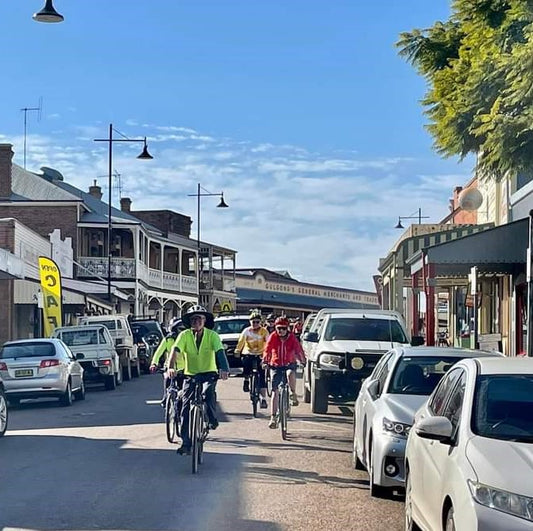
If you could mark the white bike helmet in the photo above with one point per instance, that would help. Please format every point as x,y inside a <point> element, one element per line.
<point>196,309</point>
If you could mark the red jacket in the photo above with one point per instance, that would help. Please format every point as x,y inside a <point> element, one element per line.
<point>278,353</point>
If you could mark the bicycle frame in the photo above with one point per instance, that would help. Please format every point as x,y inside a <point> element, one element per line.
<point>198,423</point>
<point>284,406</point>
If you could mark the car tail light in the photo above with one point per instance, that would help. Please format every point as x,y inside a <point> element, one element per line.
<point>104,362</point>
<point>48,363</point>
<point>3,366</point>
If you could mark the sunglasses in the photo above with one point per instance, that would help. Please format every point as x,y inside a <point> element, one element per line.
<point>280,328</point>
<point>255,321</point>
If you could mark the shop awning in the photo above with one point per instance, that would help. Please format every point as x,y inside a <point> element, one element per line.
<point>502,249</point>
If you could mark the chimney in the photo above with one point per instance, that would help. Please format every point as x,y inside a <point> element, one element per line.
<point>95,190</point>
<point>125,204</point>
<point>6,166</point>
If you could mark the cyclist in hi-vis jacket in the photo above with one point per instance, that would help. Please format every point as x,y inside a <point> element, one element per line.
<point>282,352</point>
<point>204,357</point>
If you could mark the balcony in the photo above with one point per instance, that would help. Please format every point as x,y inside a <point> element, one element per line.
<point>125,269</point>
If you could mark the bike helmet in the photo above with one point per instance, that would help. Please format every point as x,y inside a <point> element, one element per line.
<point>254,314</point>
<point>270,317</point>
<point>176,325</point>
<point>196,309</point>
<point>282,321</point>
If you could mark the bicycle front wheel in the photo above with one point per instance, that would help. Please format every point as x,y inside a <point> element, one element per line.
<point>170,419</point>
<point>254,393</point>
<point>196,437</point>
<point>282,409</point>
<point>268,379</point>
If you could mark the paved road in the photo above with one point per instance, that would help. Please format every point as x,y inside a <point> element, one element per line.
<point>105,464</point>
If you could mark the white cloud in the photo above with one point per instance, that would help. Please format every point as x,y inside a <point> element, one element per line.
<point>325,217</point>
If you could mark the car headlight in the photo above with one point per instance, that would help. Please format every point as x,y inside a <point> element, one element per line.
<point>501,500</point>
<point>330,361</point>
<point>398,429</point>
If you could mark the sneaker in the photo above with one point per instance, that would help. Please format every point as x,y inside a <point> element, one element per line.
<point>184,450</point>
<point>294,399</point>
<point>263,404</point>
<point>273,424</point>
<point>246,386</point>
<point>213,425</point>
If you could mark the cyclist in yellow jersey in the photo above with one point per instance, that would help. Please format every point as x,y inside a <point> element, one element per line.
<point>163,350</point>
<point>203,356</point>
<point>251,343</point>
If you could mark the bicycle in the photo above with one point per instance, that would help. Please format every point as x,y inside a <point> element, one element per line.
<point>268,380</point>
<point>172,411</point>
<point>199,421</point>
<point>255,394</point>
<point>284,405</point>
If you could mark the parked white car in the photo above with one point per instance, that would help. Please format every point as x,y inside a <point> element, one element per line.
<point>94,348</point>
<point>37,368</point>
<point>385,409</point>
<point>469,456</point>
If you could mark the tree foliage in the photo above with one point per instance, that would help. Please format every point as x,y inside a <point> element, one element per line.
<point>479,68</point>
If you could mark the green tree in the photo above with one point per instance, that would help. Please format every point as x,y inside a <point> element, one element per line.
<point>479,69</point>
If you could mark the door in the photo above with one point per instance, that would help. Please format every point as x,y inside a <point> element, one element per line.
<point>441,457</point>
<point>74,368</point>
<point>420,448</point>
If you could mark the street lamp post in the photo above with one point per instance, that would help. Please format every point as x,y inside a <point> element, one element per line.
<point>144,156</point>
<point>48,14</point>
<point>202,192</point>
<point>419,216</point>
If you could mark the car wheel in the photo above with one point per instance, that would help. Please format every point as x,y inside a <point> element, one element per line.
<point>4,414</point>
<point>376,491</point>
<point>67,398</point>
<point>110,382</point>
<point>356,462</point>
<point>450,520</point>
<point>80,393</point>
<point>319,396</point>
<point>307,392</point>
<point>126,371</point>
<point>410,524</point>
<point>136,369</point>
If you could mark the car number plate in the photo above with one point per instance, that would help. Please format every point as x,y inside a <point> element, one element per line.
<point>22,373</point>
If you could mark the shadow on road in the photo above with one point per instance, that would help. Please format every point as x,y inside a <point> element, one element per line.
<point>67,483</point>
<point>302,477</point>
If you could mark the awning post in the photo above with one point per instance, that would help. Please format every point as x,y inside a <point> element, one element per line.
<point>530,288</point>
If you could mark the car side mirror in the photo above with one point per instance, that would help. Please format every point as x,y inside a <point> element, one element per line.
<point>80,356</point>
<point>435,429</point>
<point>373,389</point>
<point>312,337</point>
<point>416,341</point>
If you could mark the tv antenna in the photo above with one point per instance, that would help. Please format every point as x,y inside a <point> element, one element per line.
<point>25,110</point>
<point>117,184</point>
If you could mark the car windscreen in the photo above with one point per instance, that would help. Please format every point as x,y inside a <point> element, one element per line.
<point>27,350</point>
<point>79,337</point>
<point>235,326</point>
<point>503,407</point>
<point>364,329</point>
<point>140,330</point>
<point>419,375</point>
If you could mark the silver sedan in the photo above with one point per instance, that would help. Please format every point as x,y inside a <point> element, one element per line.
<point>35,368</point>
<point>385,408</point>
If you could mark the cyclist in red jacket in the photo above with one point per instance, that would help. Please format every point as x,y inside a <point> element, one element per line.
<point>282,352</point>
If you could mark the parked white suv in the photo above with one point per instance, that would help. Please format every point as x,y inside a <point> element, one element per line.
<point>229,328</point>
<point>120,331</point>
<point>343,347</point>
<point>94,348</point>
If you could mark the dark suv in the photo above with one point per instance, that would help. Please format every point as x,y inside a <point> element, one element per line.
<point>147,334</point>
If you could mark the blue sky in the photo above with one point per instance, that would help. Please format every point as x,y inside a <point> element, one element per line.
<point>301,111</point>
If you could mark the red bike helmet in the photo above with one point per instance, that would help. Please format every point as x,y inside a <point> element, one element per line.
<point>281,321</point>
